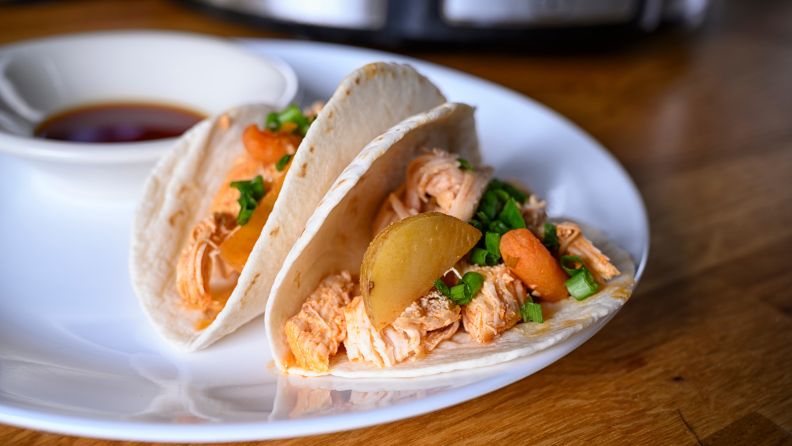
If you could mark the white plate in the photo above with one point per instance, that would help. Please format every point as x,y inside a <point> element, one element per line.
<point>78,357</point>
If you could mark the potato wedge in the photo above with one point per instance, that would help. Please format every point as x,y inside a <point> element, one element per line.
<point>403,261</point>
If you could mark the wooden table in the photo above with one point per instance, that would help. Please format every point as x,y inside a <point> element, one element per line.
<point>702,353</point>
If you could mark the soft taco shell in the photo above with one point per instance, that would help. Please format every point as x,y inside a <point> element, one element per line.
<point>180,189</point>
<point>338,234</point>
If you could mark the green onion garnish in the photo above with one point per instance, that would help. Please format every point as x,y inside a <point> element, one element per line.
<point>442,287</point>
<point>582,284</point>
<point>281,164</point>
<point>488,209</point>
<point>464,291</point>
<point>273,123</point>
<point>464,164</point>
<point>517,194</point>
<point>503,196</point>
<point>511,215</point>
<point>565,260</point>
<point>531,312</point>
<point>482,257</point>
<point>494,184</point>
<point>460,294</point>
<point>292,114</point>
<point>550,239</point>
<point>250,192</point>
<point>499,227</point>
<point>474,280</point>
<point>492,241</point>
<point>497,214</point>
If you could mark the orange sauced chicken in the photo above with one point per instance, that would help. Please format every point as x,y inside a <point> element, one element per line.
<point>496,307</point>
<point>424,324</point>
<point>572,242</point>
<point>317,331</point>
<point>436,182</point>
<point>219,245</point>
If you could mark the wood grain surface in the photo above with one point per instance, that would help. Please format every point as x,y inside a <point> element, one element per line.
<point>702,353</point>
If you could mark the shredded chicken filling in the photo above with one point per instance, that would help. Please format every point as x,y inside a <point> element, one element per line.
<point>435,183</point>
<point>496,307</point>
<point>423,325</point>
<point>572,242</point>
<point>317,331</point>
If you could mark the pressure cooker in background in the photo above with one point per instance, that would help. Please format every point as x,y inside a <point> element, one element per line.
<point>394,23</point>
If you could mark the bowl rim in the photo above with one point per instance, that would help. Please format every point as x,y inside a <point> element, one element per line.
<point>123,152</point>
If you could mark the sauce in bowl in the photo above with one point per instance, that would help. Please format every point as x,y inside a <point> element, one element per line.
<point>118,123</point>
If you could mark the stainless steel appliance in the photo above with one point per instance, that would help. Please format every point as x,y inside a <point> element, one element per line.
<point>398,22</point>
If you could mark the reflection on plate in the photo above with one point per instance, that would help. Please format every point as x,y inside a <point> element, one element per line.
<point>77,355</point>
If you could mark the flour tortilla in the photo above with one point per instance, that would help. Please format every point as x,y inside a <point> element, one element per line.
<point>338,233</point>
<point>180,189</point>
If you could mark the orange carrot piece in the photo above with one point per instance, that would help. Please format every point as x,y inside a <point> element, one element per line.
<point>236,249</point>
<point>268,146</point>
<point>534,265</point>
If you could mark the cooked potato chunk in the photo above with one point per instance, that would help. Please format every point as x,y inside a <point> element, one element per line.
<point>403,261</point>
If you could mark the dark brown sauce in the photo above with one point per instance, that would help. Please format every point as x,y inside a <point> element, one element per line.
<point>118,123</point>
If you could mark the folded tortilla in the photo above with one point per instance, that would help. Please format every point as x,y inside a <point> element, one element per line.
<point>180,190</point>
<point>338,233</point>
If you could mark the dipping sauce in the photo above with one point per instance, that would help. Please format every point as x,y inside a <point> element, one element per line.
<point>118,123</point>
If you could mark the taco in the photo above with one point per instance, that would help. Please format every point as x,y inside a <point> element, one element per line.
<point>457,269</point>
<point>221,210</point>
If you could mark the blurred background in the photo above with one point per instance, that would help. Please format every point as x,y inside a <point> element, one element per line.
<point>416,23</point>
<point>515,24</point>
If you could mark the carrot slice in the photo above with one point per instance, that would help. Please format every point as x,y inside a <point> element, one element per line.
<point>534,265</point>
<point>236,249</point>
<point>268,146</point>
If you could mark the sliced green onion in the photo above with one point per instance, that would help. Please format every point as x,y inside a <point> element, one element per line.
<point>565,260</point>
<point>478,256</point>
<point>582,285</point>
<point>531,312</point>
<point>442,287</point>
<point>250,192</point>
<point>494,184</point>
<point>281,164</point>
<point>273,123</point>
<point>464,164</point>
<point>499,227</point>
<point>517,194</point>
<point>464,291</point>
<point>460,293</point>
<point>492,240</point>
<point>503,196</point>
<point>550,239</point>
<point>292,114</point>
<point>489,210</point>
<point>482,257</point>
<point>476,224</point>
<point>490,197</point>
<point>511,215</point>
<point>474,280</point>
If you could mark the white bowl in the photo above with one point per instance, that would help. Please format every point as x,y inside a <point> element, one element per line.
<point>44,76</point>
